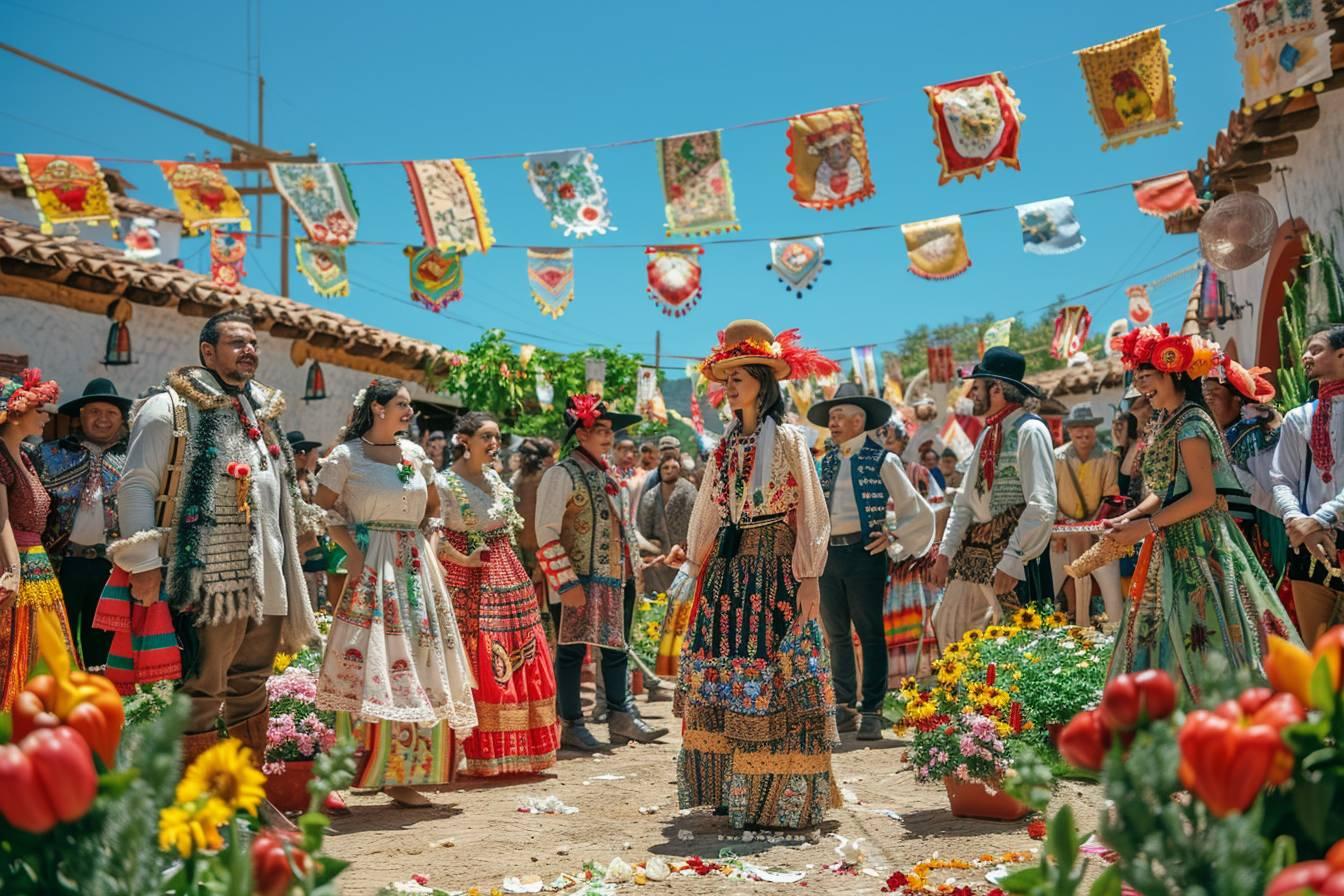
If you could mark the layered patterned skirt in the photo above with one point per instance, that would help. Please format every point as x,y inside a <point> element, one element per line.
<point>754,690</point>
<point>498,615</point>
<point>907,618</point>
<point>39,595</point>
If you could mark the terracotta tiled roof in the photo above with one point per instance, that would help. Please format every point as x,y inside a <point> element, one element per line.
<point>11,180</point>
<point>91,277</point>
<point>1077,380</point>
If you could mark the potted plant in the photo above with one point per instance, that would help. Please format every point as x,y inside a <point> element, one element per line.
<point>298,732</point>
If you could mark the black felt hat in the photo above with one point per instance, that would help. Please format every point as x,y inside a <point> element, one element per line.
<point>586,409</point>
<point>1003,364</point>
<point>98,389</point>
<point>299,442</point>
<point>875,409</point>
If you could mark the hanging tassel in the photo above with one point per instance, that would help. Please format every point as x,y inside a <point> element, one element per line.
<point>315,389</point>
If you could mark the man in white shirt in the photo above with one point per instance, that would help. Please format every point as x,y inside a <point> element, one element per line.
<point>998,531</point>
<point>1308,479</point>
<point>860,479</point>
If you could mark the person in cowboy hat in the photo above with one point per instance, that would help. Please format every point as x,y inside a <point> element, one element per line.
<point>990,557</point>
<point>312,523</point>
<point>861,479</point>
<point>81,471</point>
<point>587,555</point>
<point>1084,477</point>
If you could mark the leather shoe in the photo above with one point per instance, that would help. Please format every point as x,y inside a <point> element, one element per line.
<point>576,736</point>
<point>626,726</point>
<point>846,719</point>
<point>870,726</point>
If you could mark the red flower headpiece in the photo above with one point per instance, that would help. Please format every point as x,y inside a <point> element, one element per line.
<point>1250,384</point>
<point>1136,346</point>
<point>1173,354</point>
<point>18,396</point>
<point>587,409</point>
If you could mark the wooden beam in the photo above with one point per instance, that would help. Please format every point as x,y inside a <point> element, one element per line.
<point>54,294</point>
<point>1289,122</point>
<point>1251,153</point>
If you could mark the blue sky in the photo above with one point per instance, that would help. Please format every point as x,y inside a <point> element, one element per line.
<point>437,80</point>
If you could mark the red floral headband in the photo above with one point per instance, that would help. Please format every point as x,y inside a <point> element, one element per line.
<point>587,409</point>
<point>18,396</point>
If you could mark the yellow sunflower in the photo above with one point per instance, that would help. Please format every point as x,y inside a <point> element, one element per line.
<point>1058,619</point>
<point>224,771</point>
<point>186,830</point>
<point>972,636</point>
<point>1027,618</point>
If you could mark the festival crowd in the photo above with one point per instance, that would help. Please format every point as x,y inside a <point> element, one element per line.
<point>188,535</point>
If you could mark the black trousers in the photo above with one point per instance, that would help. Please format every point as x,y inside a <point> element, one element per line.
<point>569,666</point>
<point>852,589</point>
<point>82,582</point>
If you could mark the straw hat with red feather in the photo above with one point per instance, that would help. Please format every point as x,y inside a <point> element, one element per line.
<point>746,342</point>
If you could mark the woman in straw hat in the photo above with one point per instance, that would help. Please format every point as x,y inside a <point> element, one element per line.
<point>754,688</point>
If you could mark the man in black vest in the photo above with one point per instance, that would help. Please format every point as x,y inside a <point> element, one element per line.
<point>862,480</point>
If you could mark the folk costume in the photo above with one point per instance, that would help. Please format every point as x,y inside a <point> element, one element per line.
<point>32,586</point>
<point>907,607</point>
<point>500,622</point>
<point>754,688</point>
<point>1198,587</point>
<point>82,479</point>
<point>860,479</point>
<point>209,494</point>
<point>312,525</point>
<point>664,523</point>
<point>1002,516</point>
<point>585,543</point>
<point>394,658</point>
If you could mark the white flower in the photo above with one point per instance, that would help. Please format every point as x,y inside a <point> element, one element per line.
<point>360,396</point>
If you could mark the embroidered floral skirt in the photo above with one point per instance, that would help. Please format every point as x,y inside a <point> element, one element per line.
<point>907,618</point>
<point>500,622</point>
<point>1198,589</point>
<point>39,595</point>
<point>755,693</point>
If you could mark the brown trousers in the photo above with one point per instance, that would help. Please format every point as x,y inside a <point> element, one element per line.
<point>1315,607</point>
<point>235,661</point>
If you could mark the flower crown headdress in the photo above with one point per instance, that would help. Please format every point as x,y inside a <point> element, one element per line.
<point>18,395</point>
<point>801,362</point>
<point>1192,355</point>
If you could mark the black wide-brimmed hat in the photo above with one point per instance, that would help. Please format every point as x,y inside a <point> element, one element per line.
<point>586,409</point>
<point>299,442</point>
<point>875,409</point>
<point>1003,364</point>
<point>98,389</point>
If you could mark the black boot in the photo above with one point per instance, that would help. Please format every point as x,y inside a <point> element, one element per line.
<point>576,736</point>
<point>625,726</point>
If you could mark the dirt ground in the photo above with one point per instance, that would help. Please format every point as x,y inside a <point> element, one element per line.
<point>474,834</point>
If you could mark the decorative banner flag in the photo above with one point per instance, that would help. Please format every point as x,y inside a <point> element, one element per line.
<point>1130,85</point>
<point>976,124</point>
<point>320,195</point>
<point>674,277</point>
<point>829,383</point>
<point>649,398</point>
<point>1140,309</point>
<point>1166,196</point>
<point>1211,293</point>
<point>998,333</point>
<point>940,363</point>
<point>1049,227</point>
<point>67,190</point>
<point>436,277</point>
<point>864,362</point>
<point>551,274</point>
<point>142,240</point>
<point>228,248</point>
<point>568,184</point>
<point>525,353</point>
<point>936,248</point>
<point>697,188</point>
<point>594,375</point>
<point>893,390</point>
<point>449,206</point>
<point>828,158</point>
<point>1070,331</point>
<point>798,262</point>
<point>324,267</point>
<point>545,391</point>
<point>1115,335</point>
<point>697,418</point>
<point>1282,45</point>
<point>204,196</point>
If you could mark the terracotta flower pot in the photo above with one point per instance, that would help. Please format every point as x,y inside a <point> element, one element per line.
<point>288,791</point>
<point>971,799</point>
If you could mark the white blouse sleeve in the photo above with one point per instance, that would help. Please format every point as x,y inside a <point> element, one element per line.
<point>335,469</point>
<point>813,520</point>
<point>704,527</point>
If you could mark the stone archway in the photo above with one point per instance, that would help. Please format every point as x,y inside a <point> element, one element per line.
<point>1283,260</point>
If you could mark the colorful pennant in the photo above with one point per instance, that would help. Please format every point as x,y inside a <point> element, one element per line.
<point>568,184</point>
<point>1282,45</point>
<point>1140,309</point>
<point>1131,87</point>
<point>828,158</point>
<point>449,206</point>
<point>1115,336</point>
<point>697,417</point>
<point>649,401</point>
<point>1212,293</point>
<point>936,248</point>
<point>436,277</point>
<point>697,187</point>
<point>1071,327</point>
<point>324,266</point>
<point>67,190</point>
<point>228,248</point>
<point>674,277</point>
<point>798,262</point>
<point>864,363</point>
<point>204,196</point>
<point>1049,227</point>
<point>142,240</point>
<point>320,195</point>
<point>998,333</point>
<point>1166,196</point>
<point>551,275</point>
<point>941,365</point>
<point>545,391</point>
<point>976,124</point>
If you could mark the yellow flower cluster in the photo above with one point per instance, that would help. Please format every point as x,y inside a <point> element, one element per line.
<point>282,662</point>
<point>917,880</point>
<point>219,784</point>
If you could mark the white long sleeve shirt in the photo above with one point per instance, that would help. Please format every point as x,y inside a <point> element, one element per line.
<point>1296,480</point>
<point>914,522</point>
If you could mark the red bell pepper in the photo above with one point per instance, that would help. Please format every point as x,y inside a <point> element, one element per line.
<point>48,777</point>
<point>271,871</point>
<point>1264,707</point>
<point>1226,758</point>
<point>1130,700</point>
<point>20,802</point>
<point>1084,740</point>
<point>1315,877</point>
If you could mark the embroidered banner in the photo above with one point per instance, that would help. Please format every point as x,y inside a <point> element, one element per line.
<point>142,240</point>
<point>568,184</point>
<point>1071,327</point>
<point>998,333</point>
<point>1049,227</point>
<point>976,124</point>
<point>67,190</point>
<point>545,391</point>
<point>228,248</point>
<point>864,363</point>
<point>1212,294</point>
<point>1140,309</point>
<point>936,248</point>
<point>436,277</point>
<point>697,187</point>
<point>828,158</point>
<point>1282,46</point>
<point>941,365</point>
<point>324,266</point>
<point>1130,86</point>
<point>674,277</point>
<point>204,196</point>
<point>697,417</point>
<point>320,195</point>
<point>798,262</point>
<point>550,272</point>
<point>448,206</point>
<point>1166,196</point>
<point>649,401</point>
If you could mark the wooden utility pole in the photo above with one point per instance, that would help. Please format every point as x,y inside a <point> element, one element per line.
<point>657,349</point>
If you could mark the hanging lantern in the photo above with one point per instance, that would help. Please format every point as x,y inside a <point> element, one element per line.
<point>118,349</point>
<point>315,389</point>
